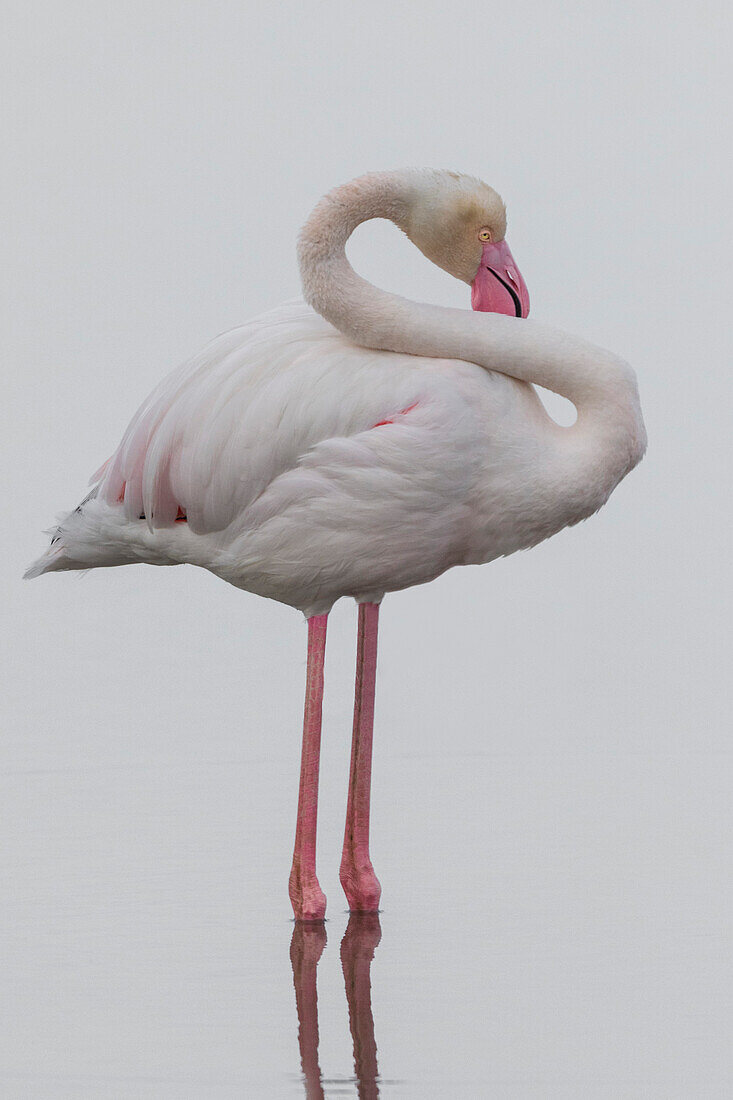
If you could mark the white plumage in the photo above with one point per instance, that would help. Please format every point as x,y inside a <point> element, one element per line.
<point>308,467</point>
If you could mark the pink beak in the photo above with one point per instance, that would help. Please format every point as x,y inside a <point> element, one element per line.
<point>498,286</point>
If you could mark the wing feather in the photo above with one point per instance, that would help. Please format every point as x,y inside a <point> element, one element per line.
<point>220,429</point>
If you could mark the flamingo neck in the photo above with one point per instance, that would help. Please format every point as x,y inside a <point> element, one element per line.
<point>600,385</point>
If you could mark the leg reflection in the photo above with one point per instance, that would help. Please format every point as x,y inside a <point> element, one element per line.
<point>363,933</point>
<point>360,941</point>
<point>306,948</point>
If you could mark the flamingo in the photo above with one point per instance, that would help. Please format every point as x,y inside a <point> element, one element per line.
<point>357,443</point>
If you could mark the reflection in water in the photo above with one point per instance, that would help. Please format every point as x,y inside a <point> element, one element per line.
<point>306,948</point>
<point>360,941</point>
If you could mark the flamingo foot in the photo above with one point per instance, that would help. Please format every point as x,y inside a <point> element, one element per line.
<point>361,887</point>
<point>307,899</point>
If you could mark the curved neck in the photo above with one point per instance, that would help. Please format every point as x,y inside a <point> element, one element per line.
<point>600,385</point>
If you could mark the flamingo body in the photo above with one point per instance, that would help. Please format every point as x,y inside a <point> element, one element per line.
<point>309,468</point>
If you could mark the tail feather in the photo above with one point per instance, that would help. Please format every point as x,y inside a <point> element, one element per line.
<point>99,534</point>
<point>52,560</point>
<point>56,556</point>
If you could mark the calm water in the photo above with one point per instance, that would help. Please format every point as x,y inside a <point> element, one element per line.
<point>552,927</point>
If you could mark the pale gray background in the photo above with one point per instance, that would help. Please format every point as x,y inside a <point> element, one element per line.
<point>552,774</point>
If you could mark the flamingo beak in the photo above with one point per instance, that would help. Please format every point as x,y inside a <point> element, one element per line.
<point>498,286</point>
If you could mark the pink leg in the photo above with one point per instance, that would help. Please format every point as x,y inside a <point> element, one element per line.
<point>360,884</point>
<point>309,901</point>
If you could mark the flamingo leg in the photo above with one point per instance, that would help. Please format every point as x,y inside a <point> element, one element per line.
<point>308,900</point>
<point>358,879</point>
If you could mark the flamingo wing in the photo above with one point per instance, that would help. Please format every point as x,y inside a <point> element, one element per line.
<point>247,423</point>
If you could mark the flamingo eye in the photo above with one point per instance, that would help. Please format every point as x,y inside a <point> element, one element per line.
<point>484,234</point>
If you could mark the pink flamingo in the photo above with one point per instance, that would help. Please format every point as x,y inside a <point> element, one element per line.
<point>358,443</point>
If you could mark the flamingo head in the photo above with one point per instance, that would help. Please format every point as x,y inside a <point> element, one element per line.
<point>459,223</point>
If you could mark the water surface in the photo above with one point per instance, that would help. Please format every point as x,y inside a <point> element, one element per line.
<point>553,926</point>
